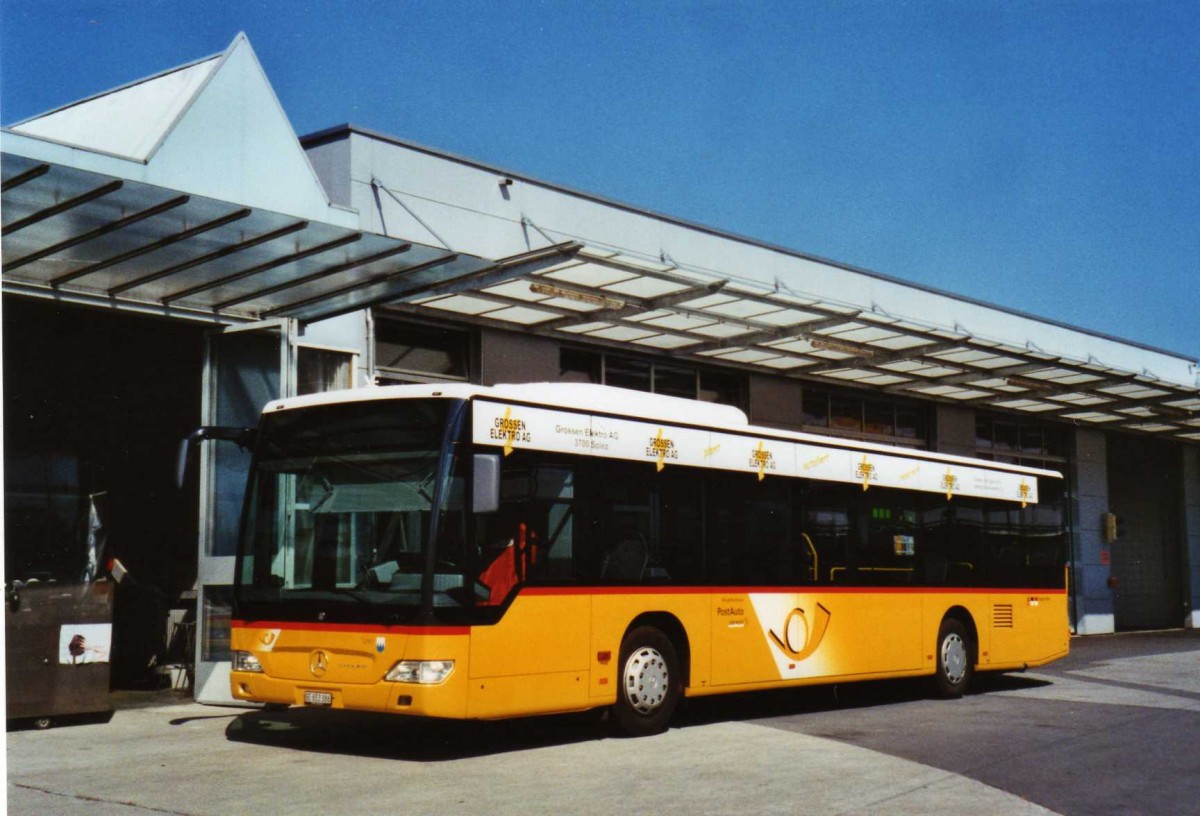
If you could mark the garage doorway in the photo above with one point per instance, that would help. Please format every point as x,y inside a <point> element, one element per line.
<point>95,403</point>
<point>1145,491</point>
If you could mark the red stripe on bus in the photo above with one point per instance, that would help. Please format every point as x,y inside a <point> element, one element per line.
<point>798,590</point>
<point>367,628</point>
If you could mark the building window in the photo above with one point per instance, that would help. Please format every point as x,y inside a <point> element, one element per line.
<point>676,382</point>
<point>322,370</point>
<point>407,353</point>
<point>722,387</point>
<point>624,372</point>
<point>580,366</point>
<point>858,418</point>
<point>1007,439</point>
<point>638,374</point>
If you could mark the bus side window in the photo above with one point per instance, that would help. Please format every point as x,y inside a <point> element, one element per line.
<point>681,500</point>
<point>554,496</point>
<point>722,527</point>
<point>622,533</point>
<point>962,541</point>
<point>893,541</point>
<point>830,523</point>
<point>532,536</point>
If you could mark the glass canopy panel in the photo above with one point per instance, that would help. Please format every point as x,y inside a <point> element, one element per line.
<point>646,287</point>
<point>590,275</point>
<point>666,341</point>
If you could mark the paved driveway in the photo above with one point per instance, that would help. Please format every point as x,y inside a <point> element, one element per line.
<point>1113,729</point>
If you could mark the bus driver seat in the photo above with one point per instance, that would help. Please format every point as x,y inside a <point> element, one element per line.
<point>510,567</point>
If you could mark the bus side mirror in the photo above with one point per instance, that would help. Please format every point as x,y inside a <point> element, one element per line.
<point>485,484</point>
<point>244,437</point>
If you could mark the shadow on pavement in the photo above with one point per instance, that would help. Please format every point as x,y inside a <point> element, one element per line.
<point>59,721</point>
<point>186,720</point>
<point>844,696</point>
<point>388,736</point>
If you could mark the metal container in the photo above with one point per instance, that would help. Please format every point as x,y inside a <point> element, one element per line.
<point>58,649</point>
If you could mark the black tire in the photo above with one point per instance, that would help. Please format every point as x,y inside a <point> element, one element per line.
<point>955,659</point>
<point>42,723</point>
<point>650,682</point>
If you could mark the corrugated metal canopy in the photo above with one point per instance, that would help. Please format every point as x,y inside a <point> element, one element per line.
<point>71,233</point>
<point>603,297</point>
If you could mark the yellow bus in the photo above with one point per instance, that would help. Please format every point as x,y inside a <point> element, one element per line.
<point>476,552</point>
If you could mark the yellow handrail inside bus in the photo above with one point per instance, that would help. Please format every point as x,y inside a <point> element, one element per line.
<point>812,548</point>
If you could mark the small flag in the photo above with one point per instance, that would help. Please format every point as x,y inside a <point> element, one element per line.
<point>117,570</point>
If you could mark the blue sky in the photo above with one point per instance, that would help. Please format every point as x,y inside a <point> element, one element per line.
<point>1043,156</point>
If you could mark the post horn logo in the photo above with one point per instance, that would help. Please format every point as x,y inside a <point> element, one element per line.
<point>318,663</point>
<point>806,642</point>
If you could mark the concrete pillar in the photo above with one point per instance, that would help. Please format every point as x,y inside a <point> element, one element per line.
<point>1191,531</point>
<point>955,430</point>
<point>508,357</point>
<point>775,402</point>
<point>1092,607</point>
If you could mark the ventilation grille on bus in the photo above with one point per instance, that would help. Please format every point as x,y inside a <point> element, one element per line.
<point>1002,616</point>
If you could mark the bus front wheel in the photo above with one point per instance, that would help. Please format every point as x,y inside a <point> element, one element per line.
<point>954,661</point>
<point>650,683</point>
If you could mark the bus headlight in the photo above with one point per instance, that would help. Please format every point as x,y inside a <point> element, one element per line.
<point>427,672</point>
<point>245,661</point>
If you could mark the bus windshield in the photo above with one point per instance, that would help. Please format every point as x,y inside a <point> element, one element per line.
<point>342,505</point>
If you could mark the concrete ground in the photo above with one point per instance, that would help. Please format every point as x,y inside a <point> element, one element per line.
<point>1049,742</point>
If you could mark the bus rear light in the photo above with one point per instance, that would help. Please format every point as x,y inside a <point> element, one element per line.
<point>426,672</point>
<point>245,661</point>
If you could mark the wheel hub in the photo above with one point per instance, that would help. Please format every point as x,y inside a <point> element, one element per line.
<point>646,680</point>
<point>954,658</point>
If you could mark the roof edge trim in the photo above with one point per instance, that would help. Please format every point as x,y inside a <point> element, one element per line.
<point>37,137</point>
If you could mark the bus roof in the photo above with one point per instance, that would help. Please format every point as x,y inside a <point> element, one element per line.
<point>623,402</point>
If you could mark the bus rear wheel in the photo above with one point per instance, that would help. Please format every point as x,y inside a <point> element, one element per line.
<point>954,662</point>
<point>650,682</point>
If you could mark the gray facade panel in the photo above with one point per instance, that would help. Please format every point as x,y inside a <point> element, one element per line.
<point>1091,464</point>
<point>1100,607</point>
<point>331,161</point>
<point>1088,512</point>
<point>1095,587</point>
<point>506,357</point>
<point>1092,611</point>
<point>955,430</point>
<point>775,402</point>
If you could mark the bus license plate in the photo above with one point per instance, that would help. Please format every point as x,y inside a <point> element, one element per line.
<point>318,698</point>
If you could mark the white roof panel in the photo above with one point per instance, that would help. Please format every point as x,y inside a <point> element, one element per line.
<point>128,122</point>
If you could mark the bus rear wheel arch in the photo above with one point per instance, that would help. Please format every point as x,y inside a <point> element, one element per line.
<point>650,682</point>
<point>955,657</point>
